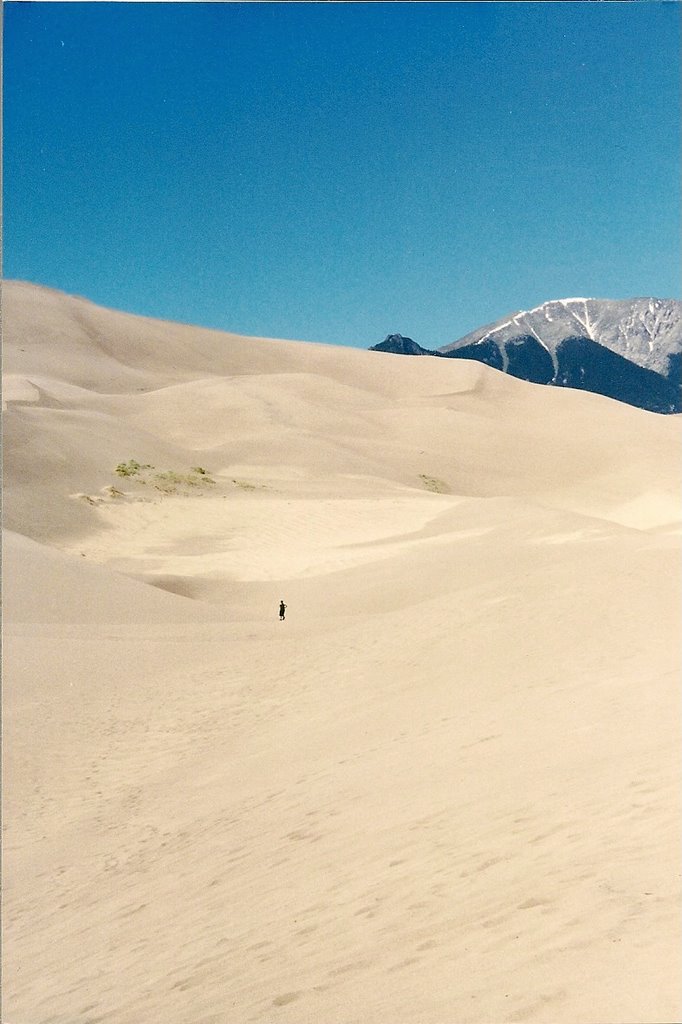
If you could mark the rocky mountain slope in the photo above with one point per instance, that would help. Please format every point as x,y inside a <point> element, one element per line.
<point>401,346</point>
<point>629,350</point>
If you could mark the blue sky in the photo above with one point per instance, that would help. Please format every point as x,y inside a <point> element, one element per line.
<point>336,172</point>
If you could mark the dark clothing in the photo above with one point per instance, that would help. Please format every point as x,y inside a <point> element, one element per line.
<point>282,609</point>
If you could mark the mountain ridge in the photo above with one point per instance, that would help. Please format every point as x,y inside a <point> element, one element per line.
<point>628,350</point>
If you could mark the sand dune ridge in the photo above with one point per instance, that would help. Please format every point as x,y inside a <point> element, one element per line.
<point>444,790</point>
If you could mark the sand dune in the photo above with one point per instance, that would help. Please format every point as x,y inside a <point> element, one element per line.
<point>444,791</point>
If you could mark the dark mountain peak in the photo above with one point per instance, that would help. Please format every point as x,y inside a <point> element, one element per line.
<point>399,345</point>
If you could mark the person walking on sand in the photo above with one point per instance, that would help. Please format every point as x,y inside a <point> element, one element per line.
<point>282,609</point>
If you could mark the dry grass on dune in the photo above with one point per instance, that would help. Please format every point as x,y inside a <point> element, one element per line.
<point>445,790</point>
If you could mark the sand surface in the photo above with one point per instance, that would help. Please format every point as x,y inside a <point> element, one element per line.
<point>445,790</point>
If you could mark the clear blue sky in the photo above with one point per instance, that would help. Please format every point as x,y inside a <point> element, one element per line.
<point>336,172</point>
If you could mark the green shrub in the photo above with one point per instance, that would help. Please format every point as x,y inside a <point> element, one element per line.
<point>129,468</point>
<point>432,483</point>
<point>168,481</point>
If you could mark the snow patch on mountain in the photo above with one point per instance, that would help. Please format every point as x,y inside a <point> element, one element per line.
<point>647,331</point>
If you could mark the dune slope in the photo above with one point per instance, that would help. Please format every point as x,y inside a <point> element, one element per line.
<point>444,790</point>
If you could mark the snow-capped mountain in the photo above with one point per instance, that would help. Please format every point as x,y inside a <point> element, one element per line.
<point>630,349</point>
<point>645,331</point>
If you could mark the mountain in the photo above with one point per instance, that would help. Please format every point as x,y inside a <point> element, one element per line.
<point>645,331</point>
<point>401,346</point>
<point>629,350</point>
